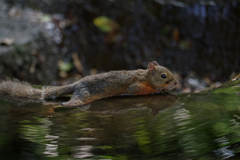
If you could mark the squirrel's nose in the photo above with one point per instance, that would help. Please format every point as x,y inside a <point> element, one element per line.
<point>175,82</point>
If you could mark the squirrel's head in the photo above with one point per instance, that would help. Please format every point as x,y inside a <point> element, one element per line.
<point>161,77</point>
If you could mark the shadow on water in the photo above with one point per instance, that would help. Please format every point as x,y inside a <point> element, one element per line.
<point>204,125</point>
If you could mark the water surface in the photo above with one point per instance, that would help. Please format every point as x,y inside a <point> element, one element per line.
<point>184,126</point>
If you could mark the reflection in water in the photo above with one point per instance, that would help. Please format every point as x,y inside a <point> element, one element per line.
<point>82,151</point>
<point>202,125</point>
<point>182,117</point>
<point>117,105</point>
<point>51,146</point>
<point>39,134</point>
<point>224,152</point>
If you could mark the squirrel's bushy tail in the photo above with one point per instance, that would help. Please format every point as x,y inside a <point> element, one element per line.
<point>14,87</point>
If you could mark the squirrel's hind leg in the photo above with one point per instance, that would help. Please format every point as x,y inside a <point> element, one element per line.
<point>80,97</point>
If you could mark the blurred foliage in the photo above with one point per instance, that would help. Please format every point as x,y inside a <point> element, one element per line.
<point>202,35</point>
<point>63,66</point>
<point>103,23</point>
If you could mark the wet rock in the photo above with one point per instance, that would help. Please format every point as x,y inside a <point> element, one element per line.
<point>27,51</point>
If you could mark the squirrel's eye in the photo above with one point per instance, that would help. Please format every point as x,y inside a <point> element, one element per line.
<point>163,76</point>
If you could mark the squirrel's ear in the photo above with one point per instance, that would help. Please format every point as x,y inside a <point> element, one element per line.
<point>151,68</point>
<point>155,63</point>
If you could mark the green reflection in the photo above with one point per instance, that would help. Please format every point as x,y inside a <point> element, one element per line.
<point>36,130</point>
<point>201,126</point>
<point>141,134</point>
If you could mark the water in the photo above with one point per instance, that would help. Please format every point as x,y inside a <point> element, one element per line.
<point>184,126</point>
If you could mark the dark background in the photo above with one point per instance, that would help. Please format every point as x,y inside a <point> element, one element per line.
<point>200,37</point>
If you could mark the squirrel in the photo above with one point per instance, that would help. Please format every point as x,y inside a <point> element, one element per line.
<point>154,79</point>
